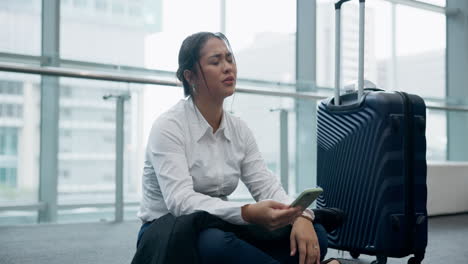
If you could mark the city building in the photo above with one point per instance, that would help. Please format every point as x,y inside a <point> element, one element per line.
<point>86,170</point>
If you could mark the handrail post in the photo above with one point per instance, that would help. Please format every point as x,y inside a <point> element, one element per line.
<point>119,149</point>
<point>284,148</point>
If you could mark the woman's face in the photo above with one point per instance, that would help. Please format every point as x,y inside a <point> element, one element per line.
<point>219,69</point>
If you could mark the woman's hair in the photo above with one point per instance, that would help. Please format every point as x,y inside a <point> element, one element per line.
<point>189,55</point>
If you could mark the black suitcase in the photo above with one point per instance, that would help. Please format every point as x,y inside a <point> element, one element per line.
<point>371,162</point>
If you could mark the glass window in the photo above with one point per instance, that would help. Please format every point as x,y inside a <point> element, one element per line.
<point>65,113</point>
<point>117,8</point>
<point>84,158</point>
<point>419,47</point>
<point>265,49</point>
<point>19,111</point>
<point>263,118</point>
<point>420,57</point>
<point>101,5</point>
<point>3,176</point>
<point>8,178</point>
<point>178,19</point>
<point>2,141</point>
<point>79,3</point>
<point>414,63</point>
<point>134,11</point>
<point>377,39</point>
<point>13,177</point>
<point>420,67</point>
<point>9,110</point>
<point>19,140</point>
<point>436,135</point>
<point>87,142</point>
<point>14,141</point>
<point>65,91</point>
<point>150,101</point>
<point>20,30</point>
<point>135,33</point>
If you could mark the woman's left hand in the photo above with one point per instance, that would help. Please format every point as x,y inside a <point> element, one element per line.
<point>304,239</point>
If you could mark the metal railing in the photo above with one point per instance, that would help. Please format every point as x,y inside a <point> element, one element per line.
<point>104,76</point>
<point>426,6</point>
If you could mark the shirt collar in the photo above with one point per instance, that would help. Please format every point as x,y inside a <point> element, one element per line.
<point>200,126</point>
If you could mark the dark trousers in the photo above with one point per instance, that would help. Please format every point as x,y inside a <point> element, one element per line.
<point>218,246</point>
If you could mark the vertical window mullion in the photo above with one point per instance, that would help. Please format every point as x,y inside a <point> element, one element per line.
<point>305,82</point>
<point>48,158</point>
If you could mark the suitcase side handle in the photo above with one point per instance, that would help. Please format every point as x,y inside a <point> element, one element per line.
<point>362,16</point>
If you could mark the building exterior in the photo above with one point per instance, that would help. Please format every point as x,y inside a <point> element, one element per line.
<point>91,30</point>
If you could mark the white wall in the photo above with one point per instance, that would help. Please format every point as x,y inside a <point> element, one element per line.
<point>447,185</point>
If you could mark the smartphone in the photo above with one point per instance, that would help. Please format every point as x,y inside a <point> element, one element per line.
<point>307,197</point>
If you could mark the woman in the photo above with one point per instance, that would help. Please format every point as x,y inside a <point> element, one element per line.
<point>196,154</point>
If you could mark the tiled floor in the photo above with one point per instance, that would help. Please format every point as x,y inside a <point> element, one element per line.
<point>115,243</point>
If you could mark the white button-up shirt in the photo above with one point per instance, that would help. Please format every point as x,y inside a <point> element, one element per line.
<point>189,168</point>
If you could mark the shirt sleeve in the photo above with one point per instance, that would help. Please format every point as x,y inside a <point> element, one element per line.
<point>166,151</point>
<point>260,181</point>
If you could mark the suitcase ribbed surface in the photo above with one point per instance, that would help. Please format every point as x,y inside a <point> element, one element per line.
<point>371,164</point>
<point>359,165</point>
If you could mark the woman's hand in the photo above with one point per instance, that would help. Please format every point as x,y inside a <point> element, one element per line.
<point>270,214</point>
<point>304,239</point>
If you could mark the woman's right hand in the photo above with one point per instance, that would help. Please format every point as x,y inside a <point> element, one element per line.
<point>270,214</point>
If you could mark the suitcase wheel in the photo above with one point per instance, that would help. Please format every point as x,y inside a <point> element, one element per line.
<point>380,260</point>
<point>414,260</point>
<point>354,254</point>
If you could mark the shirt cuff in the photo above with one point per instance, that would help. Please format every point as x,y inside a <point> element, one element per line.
<point>309,214</point>
<point>237,218</point>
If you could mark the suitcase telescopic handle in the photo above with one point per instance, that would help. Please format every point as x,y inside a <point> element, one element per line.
<point>338,49</point>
